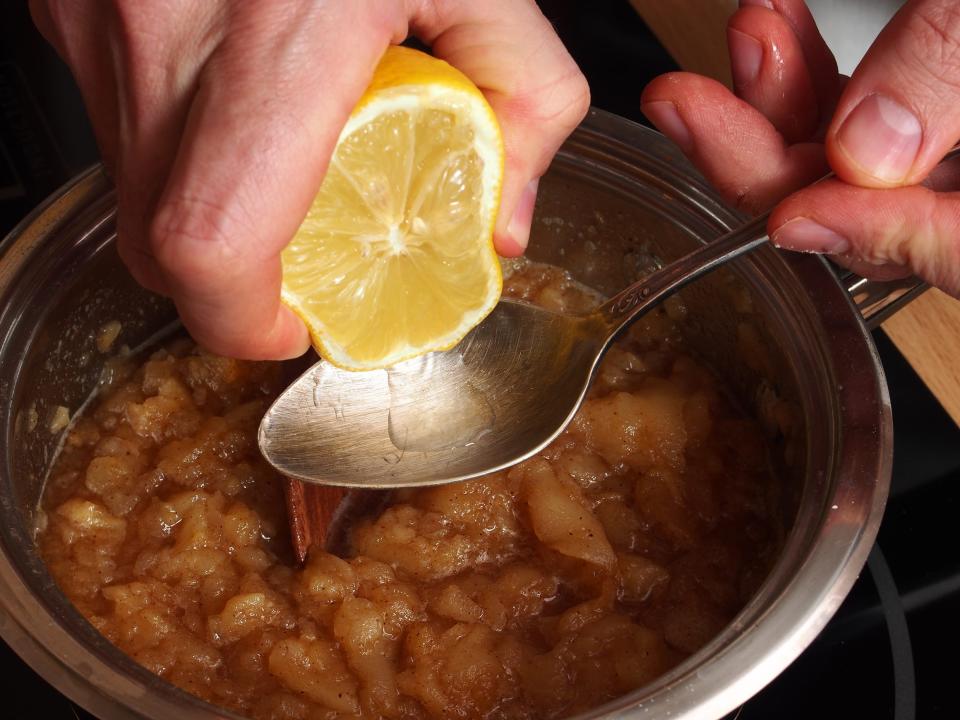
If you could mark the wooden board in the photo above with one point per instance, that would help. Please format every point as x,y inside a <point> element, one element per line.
<point>927,332</point>
<point>694,32</point>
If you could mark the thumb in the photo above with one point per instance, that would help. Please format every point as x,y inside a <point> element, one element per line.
<point>897,115</point>
<point>509,50</point>
<point>882,232</point>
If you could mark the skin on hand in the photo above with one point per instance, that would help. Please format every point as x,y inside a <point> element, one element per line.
<point>793,118</point>
<point>217,121</point>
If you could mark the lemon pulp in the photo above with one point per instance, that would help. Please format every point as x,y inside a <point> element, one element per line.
<point>395,256</point>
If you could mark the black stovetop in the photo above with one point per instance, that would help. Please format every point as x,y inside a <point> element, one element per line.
<point>887,652</point>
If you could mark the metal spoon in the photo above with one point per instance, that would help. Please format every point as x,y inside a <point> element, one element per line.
<point>504,393</point>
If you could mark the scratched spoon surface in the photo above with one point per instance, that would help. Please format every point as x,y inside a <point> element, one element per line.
<point>504,393</point>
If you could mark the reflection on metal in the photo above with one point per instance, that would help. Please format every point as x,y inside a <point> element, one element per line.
<point>505,392</point>
<point>877,300</point>
<point>904,676</point>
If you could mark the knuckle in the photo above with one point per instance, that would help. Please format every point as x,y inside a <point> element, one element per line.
<point>748,201</point>
<point>560,103</point>
<point>141,264</point>
<point>889,237</point>
<point>192,241</point>
<point>749,197</point>
<point>941,261</point>
<point>580,96</point>
<point>922,233</point>
<point>933,46</point>
<point>134,257</point>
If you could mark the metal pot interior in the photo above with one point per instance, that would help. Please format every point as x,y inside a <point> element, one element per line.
<point>778,329</point>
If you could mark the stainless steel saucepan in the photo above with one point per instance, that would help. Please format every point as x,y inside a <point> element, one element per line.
<point>781,329</point>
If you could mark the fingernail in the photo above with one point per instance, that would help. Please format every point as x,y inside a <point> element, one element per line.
<point>758,3</point>
<point>882,137</point>
<point>664,115</point>
<point>518,229</point>
<point>805,235</point>
<point>746,56</point>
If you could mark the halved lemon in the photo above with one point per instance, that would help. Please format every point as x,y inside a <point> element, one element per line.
<point>395,257</point>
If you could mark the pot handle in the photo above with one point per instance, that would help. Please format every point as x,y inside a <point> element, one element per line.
<point>877,300</point>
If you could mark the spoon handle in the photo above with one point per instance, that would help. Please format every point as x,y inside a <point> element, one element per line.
<point>618,311</point>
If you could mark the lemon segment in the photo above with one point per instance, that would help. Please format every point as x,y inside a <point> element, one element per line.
<point>395,257</point>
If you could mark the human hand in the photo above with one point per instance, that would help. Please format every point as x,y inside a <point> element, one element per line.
<point>217,120</point>
<point>794,118</point>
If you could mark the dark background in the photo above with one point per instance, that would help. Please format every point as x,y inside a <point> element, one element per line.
<point>888,653</point>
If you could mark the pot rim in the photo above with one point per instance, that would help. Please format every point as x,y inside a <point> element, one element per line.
<point>753,653</point>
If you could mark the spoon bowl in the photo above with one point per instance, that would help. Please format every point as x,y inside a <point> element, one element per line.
<point>510,387</point>
<point>503,393</point>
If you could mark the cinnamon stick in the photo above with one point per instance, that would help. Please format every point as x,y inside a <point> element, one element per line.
<point>310,510</point>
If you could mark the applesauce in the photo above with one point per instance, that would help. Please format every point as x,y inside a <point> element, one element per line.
<point>537,592</point>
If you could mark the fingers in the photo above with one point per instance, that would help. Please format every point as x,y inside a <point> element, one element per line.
<point>897,116</point>
<point>220,121</point>
<point>770,72</point>
<point>150,120</point>
<point>757,156</point>
<point>731,143</point>
<point>539,95</point>
<point>260,132</point>
<point>910,228</point>
<point>820,62</point>
<point>894,121</point>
